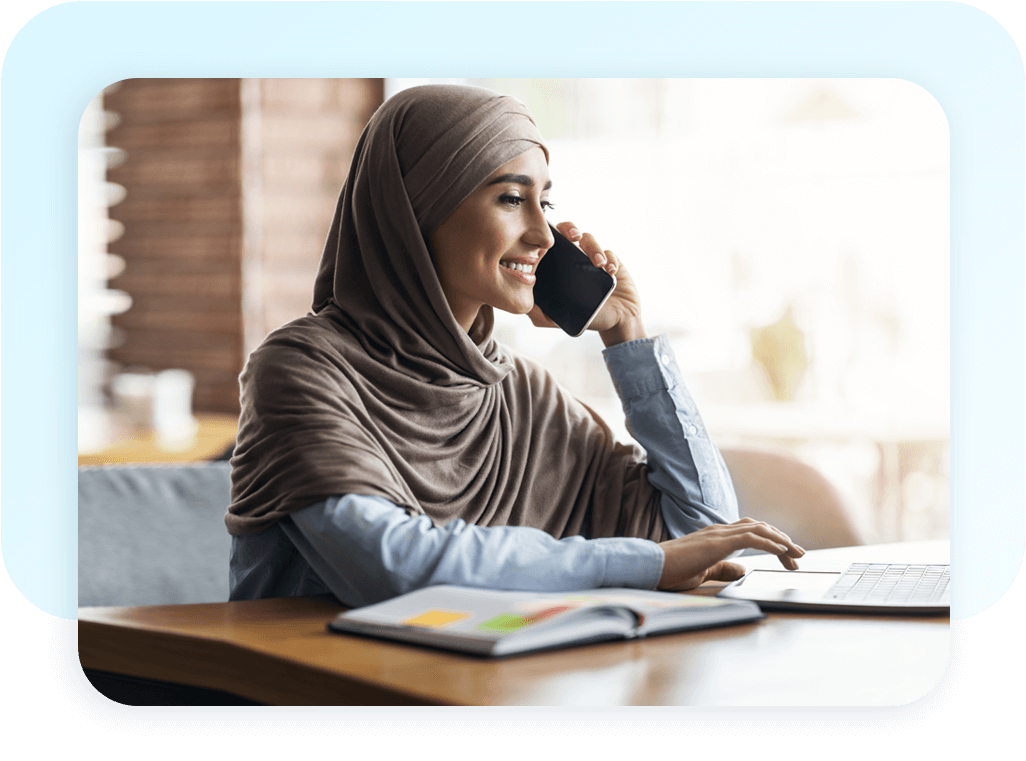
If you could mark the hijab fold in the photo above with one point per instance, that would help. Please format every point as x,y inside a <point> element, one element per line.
<point>379,391</point>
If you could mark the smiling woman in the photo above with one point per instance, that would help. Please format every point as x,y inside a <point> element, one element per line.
<point>388,441</point>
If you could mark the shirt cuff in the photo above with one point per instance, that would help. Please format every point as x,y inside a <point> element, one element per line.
<point>643,366</point>
<point>635,563</point>
<point>648,366</point>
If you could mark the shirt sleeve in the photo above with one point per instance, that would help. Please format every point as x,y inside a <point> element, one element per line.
<point>366,549</point>
<point>685,467</point>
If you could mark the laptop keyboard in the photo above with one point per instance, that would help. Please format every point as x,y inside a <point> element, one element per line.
<point>891,583</point>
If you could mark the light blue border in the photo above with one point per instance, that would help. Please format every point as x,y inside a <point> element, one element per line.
<point>67,54</point>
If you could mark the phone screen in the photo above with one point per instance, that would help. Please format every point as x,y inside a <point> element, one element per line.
<point>570,289</point>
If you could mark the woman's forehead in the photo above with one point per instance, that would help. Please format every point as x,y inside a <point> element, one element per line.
<point>529,169</point>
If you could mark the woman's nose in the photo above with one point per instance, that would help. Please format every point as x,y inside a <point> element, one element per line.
<point>540,234</point>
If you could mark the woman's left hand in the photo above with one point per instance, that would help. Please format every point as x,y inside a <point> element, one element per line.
<point>620,318</point>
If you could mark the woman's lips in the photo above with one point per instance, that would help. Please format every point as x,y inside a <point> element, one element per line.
<point>521,271</point>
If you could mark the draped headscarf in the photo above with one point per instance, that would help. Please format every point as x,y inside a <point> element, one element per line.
<point>379,391</point>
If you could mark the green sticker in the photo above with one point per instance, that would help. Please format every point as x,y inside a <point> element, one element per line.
<point>507,622</point>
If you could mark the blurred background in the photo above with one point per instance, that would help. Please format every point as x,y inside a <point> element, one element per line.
<point>790,236</point>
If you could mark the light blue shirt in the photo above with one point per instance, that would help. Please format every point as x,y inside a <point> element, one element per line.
<point>366,549</point>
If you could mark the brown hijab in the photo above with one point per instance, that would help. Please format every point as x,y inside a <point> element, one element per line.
<point>380,391</point>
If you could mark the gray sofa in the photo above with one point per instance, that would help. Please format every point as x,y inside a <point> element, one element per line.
<point>153,534</point>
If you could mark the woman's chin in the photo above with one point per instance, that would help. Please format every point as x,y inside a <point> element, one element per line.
<point>522,309</point>
<point>519,307</point>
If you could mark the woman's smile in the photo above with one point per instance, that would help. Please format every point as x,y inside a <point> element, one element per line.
<point>522,271</point>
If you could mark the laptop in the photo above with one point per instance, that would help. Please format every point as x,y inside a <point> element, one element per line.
<point>862,588</point>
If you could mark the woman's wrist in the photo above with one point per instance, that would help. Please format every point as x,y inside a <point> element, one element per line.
<point>629,330</point>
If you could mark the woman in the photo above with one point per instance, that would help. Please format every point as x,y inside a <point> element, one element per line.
<point>387,442</point>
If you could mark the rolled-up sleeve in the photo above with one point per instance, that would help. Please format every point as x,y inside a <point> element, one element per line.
<point>684,465</point>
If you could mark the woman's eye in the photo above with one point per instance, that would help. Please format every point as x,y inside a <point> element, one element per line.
<point>515,201</point>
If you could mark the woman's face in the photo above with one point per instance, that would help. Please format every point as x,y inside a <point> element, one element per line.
<point>487,250</point>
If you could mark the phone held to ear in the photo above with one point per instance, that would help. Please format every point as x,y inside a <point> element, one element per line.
<point>570,289</point>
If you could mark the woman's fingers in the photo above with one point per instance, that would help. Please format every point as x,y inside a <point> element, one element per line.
<point>788,562</point>
<point>762,536</point>
<point>754,541</point>
<point>747,525</point>
<point>602,258</point>
<point>591,247</point>
<point>569,230</point>
<point>612,262</point>
<point>702,555</point>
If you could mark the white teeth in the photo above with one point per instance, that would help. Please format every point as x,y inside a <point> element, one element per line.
<point>528,268</point>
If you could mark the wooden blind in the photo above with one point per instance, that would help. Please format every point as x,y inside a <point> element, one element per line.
<point>185,174</point>
<point>183,231</point>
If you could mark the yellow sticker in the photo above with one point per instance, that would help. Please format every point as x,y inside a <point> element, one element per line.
<point>435,618</point>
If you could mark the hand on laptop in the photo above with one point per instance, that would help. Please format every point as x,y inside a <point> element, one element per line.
<point>700,557</point>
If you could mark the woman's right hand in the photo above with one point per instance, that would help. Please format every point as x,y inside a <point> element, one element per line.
<point>620,319</point>
<point>693,559</point>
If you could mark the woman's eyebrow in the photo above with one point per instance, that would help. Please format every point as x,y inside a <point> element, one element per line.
<point>519,179</point>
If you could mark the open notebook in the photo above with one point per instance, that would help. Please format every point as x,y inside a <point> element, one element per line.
<point>493,623</point>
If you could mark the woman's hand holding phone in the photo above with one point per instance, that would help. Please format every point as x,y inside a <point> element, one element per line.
<point>619,320</point>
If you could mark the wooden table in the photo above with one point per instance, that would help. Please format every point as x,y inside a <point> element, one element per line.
<point>279,652</point>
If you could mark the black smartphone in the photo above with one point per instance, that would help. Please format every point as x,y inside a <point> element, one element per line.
<point>570,289</point>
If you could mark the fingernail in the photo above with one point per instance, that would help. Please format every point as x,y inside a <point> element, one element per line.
<point>574,232</point>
